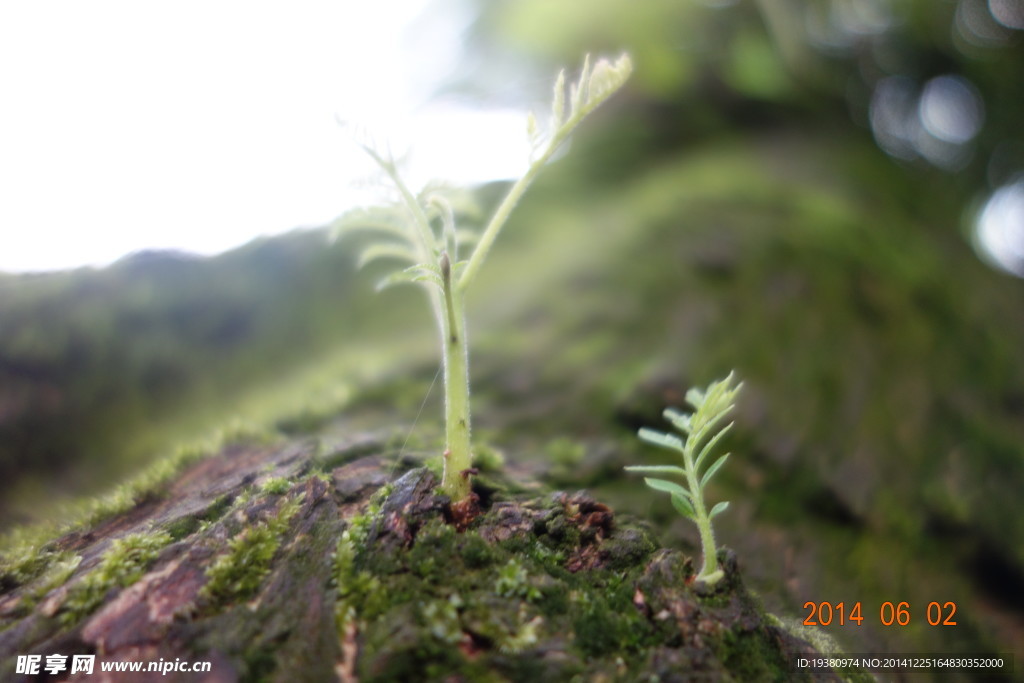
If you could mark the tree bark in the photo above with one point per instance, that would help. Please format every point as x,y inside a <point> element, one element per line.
<point>243,572</point>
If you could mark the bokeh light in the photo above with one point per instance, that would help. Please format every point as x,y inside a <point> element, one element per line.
<point>893,116</point>
<point>976,25</point>
<point>1000,228</point>
<point>951,109</point>
<point>1009,13</point>
<point>935,122</point>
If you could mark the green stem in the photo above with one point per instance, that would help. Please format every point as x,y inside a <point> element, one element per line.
<point>501,216</point>
<point>709,573</point>
<point>457,457</point>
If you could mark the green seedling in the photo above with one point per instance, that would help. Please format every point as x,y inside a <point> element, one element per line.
<point>701,429</point>
<point>421,232</point>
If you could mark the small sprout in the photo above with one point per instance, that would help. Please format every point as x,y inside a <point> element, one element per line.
<point>702,434</point>
<point>421,234</point>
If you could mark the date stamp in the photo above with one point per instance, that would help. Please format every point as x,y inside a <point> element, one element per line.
<point>889,613</point>
<point>894,614</point>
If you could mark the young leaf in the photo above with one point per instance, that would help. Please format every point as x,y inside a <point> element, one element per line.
<point>385,250</point>
<point>558,103</point>
<point>711,470</point>
<point>444,209</point>
<point>695,397</point>
<point>657,469</point>
<point>398,278</point>
<point>683,507</point>
<point>667,486</point>
<point>709,446</point>
<point>702,436</point>
<point>703,424</point>
<point>421,272</point>
<point>679,419</point>
<point>532,131</point>
<point>661,439</point>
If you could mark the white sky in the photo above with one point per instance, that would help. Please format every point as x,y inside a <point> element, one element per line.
<point>127,125</point>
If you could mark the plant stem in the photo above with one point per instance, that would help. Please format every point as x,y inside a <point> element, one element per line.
<point>457,456</point>
<point>710,572</point>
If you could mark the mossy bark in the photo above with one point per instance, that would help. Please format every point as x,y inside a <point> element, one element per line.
<point>250,575</point>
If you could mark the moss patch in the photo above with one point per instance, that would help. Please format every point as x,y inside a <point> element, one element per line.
<point>237,574</point>
<point>545,589</point>
<point>122,565</point>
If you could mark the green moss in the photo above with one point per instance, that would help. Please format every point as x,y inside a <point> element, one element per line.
<point>238,573</point>
<point>629,548</point>
<point>457,605</point>
<point>514,582</point>
<point>525,635</point>
<point>475,551</point>
<point>751,656</point>
<point>436,465</point>
<point>188,525</point>
<point>441,619</point>
<point>360,594</point>
<point>604,619</point>
<point>276,486</point>
<point>24,556</point>
<point>566,452</point>
<point>25,561</point>
<point>436,542</point>
<point>122,565</point>
<point>488,458</point>
<point>62,566</point>
<point>598,631</point>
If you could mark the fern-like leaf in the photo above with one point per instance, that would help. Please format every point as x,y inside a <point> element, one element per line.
<point>701,437</point>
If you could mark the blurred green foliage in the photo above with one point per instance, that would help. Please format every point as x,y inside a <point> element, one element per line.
<point>100,369</point>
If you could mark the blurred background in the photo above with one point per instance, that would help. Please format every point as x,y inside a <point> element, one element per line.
<point>826,195</point>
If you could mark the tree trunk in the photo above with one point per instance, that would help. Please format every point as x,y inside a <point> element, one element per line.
<point>268,564</point>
